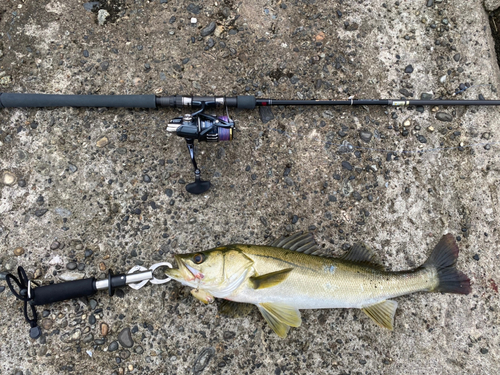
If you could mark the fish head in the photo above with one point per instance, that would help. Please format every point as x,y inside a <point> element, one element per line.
<point>219,271</point>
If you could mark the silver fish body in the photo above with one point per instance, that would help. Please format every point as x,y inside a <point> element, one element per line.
<point>322,283</point>
<point>289,275</point>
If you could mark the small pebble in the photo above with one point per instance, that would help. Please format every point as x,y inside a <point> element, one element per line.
<point>125,338</point>
<point>102,14</point>
<point>104,329</point>
<point>139,350</point>
<point>47,324</point>
<point>421,138</point>
<point>409,69</point>
<point>9,178</point>
<point>70,276</point>
<point>88,338</point>
<point>365,135</point>
<point>103,142</point>
<point>209,29</point>
<point>54,245</point>
<point>71,266</point>
<point>113,346</point>
<point>203,360</point>
<point>347,165</point>
<point>72,168</point>
<point>443,116</point>
<point>18,251</point>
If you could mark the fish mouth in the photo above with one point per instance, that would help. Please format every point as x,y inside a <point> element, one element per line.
<point>185,271</point>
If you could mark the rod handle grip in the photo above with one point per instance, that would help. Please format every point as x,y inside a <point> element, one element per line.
<point>13,100</point>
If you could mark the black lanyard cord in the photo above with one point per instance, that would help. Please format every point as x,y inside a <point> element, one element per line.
<point>24,295</point>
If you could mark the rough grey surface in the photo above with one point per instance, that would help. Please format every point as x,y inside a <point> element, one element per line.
<point>491,5</point>
<point>108,185</point>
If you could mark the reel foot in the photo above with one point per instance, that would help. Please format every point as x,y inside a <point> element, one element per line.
<point>198,187</point>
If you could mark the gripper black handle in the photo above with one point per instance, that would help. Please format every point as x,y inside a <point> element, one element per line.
<point>50,100</point>
<point>63,291</point>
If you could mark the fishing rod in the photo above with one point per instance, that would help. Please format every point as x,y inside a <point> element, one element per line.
<point>200,125</point>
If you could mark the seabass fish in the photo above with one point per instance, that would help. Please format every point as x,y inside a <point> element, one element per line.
<point>288,275</point>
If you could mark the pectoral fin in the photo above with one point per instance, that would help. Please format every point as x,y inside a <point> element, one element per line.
<point>382,313</point>
<point>234,309</point>
<point>280,317</point>
<point>269,279</point>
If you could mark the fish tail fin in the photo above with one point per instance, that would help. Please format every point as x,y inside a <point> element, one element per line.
<point>443,259</point>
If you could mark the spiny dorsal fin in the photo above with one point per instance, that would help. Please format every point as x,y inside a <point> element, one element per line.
<point>269,279</point>
<point>280,317</point>
<point>300,242</point>
<point>234,309</point>
<point>382,313</point>
<point>359,253</point>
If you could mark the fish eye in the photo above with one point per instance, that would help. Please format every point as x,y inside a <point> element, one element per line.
<point>199,258</point>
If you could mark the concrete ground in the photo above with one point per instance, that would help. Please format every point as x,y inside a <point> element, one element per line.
<point>87,190</point>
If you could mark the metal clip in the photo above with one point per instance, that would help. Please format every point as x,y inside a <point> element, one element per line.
<point>147,275</point>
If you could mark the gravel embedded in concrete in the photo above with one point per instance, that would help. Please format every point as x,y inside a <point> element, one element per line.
<point>81,177</point>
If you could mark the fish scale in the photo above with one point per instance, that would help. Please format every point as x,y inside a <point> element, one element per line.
<point>327,282</point>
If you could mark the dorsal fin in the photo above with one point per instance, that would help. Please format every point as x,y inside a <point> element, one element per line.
<point>359,253</point>
<point>300,242</point>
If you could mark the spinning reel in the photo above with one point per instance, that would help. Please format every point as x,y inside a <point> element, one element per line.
<point>205,128</point>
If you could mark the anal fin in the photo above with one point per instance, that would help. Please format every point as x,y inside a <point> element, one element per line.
<point>382,313</point>
<point>280,317</point>
<point>270,279</point>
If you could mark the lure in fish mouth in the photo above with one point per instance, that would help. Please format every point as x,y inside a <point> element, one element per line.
<point>292,273</point>
<point>186,271</point>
